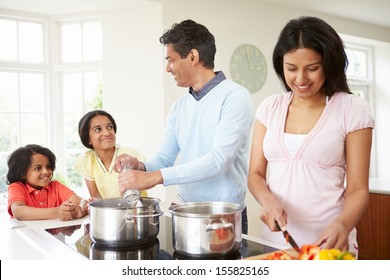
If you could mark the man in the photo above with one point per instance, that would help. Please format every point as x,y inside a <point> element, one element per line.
<point>204,150</point>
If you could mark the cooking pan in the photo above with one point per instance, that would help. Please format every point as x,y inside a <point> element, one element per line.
<point>206,228</point>
<point>115,224</point>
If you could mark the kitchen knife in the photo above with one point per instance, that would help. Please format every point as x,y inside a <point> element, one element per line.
<point>288,238</point>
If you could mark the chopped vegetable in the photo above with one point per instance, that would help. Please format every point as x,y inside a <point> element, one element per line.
<point>312,252</point>
<point>279,255</point>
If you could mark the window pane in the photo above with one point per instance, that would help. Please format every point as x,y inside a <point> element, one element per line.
<point>75,179</point>
<point>3,173</point>
<point>92,41</point>
<point>71,42</point>
<point>9,91</point>
<point>360,90</point>
<point>357,66</point>
<point>9,132</point>
<point>32,92</point>
<point>73,92</point>
<point>33,129</point>
<point>93,90</point>
<point>8,43</point>
<point>30,42</point>
<point>73,147</point>
<point>71,121</point>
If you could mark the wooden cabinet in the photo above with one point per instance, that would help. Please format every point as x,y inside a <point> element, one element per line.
<point>373,230</point>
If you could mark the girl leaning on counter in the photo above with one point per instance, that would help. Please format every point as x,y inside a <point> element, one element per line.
<point>311,140</point>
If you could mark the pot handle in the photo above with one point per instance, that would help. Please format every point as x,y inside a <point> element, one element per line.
<point>156,214</point>
<point>218,225</point>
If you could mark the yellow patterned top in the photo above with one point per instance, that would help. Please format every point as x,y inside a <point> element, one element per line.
<point>91,168</point>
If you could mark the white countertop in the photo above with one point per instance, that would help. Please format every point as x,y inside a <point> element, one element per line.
<point>28,240</point>
<point>380,186</point>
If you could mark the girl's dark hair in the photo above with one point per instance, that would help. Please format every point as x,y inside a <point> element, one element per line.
<point>85,125</point>
<point>188,35</point>
<point>316,34</point>
<point>20,160</point>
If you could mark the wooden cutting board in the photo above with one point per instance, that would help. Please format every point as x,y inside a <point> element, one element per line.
<point>291,252</point>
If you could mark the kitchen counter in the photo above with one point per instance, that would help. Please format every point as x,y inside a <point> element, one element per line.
<point>380,186</point>
<point>29,240</point>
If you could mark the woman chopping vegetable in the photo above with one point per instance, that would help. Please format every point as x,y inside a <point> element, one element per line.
<point>310,156</point>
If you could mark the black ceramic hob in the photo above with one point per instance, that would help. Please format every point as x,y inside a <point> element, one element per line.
<point>160,248</point>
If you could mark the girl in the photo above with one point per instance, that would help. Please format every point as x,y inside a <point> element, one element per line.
<point>97,130</point>
<point>31,193</point>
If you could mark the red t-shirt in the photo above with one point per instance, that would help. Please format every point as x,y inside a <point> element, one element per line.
<point>53,195</point>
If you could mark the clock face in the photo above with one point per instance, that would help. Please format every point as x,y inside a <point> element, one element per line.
<point>248,67</point>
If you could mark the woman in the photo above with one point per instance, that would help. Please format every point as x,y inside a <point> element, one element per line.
<point>310,157</point>
<point>97,130</point>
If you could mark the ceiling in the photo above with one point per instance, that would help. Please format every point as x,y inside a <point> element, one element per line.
<point>375,12</point>
<point>371,11</point>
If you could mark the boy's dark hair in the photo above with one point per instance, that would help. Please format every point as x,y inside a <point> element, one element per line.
<point>20,160</point>
<point>85,125</point>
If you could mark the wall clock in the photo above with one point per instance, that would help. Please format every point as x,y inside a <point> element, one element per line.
<point>248,67</point>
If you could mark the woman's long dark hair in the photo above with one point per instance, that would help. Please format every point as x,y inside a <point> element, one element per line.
<point>314,33</point>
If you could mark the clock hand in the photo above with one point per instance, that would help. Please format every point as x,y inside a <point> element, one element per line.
<point>250,62</point>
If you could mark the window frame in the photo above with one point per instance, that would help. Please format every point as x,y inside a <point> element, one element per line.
<point>356,43</point>
<point>60,68</point>
<point>19,67</point>
<point>52,69</point>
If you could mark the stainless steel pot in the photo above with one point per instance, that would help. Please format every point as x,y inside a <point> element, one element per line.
<point>113,223</point>
<point>206,228</point>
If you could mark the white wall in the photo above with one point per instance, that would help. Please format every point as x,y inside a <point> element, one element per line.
<point>382,112</point>
<point>139,93</point>
<point>133,79</point>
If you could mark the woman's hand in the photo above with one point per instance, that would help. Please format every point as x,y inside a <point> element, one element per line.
<point>335,235</point>
<point>273,211</point>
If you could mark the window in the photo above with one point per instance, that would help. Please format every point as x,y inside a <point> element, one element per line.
<point>42,97</point>
<point>361,79</point>
<point>23,91</point>
<point>22,41</point>
<point>359,72</point>
<point>79,71</point>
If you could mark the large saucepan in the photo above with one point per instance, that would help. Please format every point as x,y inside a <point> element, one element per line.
<point>206,228</point>
<point>112,223</point>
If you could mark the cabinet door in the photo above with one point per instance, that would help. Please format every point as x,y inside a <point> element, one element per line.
<point>373,230</point>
